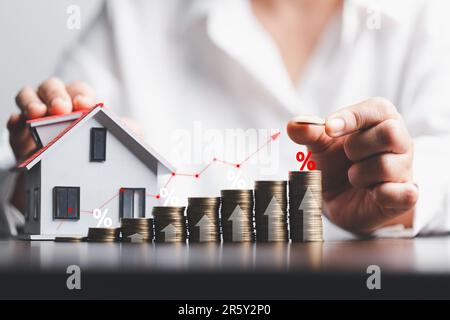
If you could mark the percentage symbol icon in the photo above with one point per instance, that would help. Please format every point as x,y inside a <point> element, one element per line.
<point>236,179</point>
<point>102,218</point>
<point>169,196</point>
<point>305,161</point>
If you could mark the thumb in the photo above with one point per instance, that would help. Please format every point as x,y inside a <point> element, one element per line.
<point>313,136</point>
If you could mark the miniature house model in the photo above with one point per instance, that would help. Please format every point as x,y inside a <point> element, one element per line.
<point>86,161</point>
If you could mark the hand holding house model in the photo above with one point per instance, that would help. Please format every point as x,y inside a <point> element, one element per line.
<point>83,157</point>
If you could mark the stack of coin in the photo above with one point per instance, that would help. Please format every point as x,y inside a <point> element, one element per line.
<point>137,229</point>
<point>305,206</point>
<point>271,211</point>
<point>103,234</point>
<point>237,215</point>
<point>170,224</point>
<point>203,219</point>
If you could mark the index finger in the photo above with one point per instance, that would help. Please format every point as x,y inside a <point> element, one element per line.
<point>360,116</point>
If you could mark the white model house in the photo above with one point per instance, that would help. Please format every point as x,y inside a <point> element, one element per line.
<point>87,160</point>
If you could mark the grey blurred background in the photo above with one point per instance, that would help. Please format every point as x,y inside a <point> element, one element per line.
<point>33,35</point>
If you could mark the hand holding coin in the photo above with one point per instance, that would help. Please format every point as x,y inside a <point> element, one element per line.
<point>365,154</point>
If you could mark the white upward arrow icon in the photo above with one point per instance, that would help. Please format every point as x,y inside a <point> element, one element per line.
<point>236,220</point>
<point>136,237</point>
<point>204,224</point>
<point>308,201</point>
<point>271,212</point>
<point>169,233</point>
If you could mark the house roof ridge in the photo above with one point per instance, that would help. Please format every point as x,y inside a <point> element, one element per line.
<point>56,116</point>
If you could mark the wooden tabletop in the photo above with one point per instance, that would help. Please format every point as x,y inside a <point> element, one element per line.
<point>287,270</point>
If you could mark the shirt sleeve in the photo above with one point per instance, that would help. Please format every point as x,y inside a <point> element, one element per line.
<point>425,105</point>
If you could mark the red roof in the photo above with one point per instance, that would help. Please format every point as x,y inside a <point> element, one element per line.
<point>59,136</point>
<point>56,116</point>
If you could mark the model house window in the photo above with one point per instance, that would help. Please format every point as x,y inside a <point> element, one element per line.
<point>36,203</point>
<point>29,208</point>
<point>98,144</point>
<point>66,203</point>
<point>132,203</point>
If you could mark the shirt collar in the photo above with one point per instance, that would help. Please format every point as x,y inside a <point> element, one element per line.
<point>356,15</point>
<point>394,11</point>
<point>219,14</point>
<point>196,10</point>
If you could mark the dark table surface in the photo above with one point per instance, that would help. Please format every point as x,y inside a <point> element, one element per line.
<point>410,268</point>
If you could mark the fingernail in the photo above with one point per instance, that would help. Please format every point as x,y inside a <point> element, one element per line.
<point>336,125</point>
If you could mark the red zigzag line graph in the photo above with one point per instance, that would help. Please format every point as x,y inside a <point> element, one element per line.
<point>195,175</point>
<point>217,160</point>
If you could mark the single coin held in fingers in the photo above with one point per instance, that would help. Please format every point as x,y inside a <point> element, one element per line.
<point>309,119</point>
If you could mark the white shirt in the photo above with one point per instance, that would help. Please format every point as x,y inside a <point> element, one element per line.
<point>196,74</point>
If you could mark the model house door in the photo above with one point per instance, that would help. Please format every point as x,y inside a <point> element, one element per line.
<point>132,203</point>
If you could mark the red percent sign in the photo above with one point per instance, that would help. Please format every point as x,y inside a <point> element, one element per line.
<point>305,160</point>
